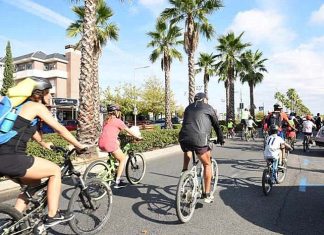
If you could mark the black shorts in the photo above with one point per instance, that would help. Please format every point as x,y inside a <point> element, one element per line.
<point>198,150</point>
<point>15,165</point>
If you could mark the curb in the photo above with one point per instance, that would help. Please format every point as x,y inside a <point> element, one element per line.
<point>10,189</point>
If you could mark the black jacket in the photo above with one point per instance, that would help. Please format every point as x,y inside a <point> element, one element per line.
<point>199,118</point>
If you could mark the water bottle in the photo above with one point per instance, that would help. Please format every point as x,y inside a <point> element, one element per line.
<point>8,121</point>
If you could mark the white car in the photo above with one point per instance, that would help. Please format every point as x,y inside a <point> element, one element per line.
<point>319,139</point>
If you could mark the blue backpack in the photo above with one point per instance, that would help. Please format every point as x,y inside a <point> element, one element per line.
<point>8,116</point>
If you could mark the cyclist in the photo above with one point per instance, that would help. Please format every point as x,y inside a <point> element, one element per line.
<point>230,128</point>
<point>108,140</point>
<point>275,146</point>
<point>318,122</point>
<point>291,129</point>
<point>244,120</point>
<point>279,118</point>
<point>250,125</point>
<point>199,118</point>
<point>308,127</point>
<point>30,170</point>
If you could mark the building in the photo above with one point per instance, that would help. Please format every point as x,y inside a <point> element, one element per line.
<point>62,70</point>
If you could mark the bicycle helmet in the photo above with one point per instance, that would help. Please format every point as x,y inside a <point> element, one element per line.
<point>113,107</point>
<point>277,106</point>
<point>200,96</point>
<point>273,129</point>
<point>41,84</point>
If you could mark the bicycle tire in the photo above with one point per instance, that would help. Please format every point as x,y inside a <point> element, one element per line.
<point>281,174</point>
<point>266,182</point>
<point>99,170</point>
<point>8,217</point>
<point>214,179</point>
<point>79,205</point>
<point>187,195</point>
<point>135,165</point>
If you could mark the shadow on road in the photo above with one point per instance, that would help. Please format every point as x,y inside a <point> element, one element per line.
<point>286,210</point>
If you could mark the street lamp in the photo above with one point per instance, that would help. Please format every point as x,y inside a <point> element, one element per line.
<point>135,111</point>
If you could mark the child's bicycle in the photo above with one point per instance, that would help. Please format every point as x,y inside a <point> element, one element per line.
<point>274,173</point>
<point>106,170</point>
<point>90,203</point>
<point>191,186</point>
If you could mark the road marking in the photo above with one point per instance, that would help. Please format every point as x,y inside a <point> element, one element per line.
<point>306,162</point>
<point>302,184</point>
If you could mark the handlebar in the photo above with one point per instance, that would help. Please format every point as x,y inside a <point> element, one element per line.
<point>68,152</point>
<point>214,140</point>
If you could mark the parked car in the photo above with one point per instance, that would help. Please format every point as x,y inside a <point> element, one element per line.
<point>71,125</point>
<point>161,121</point>
<point>319,139</point>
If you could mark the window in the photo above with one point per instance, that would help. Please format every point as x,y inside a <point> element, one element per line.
<point>29,66</point>
<point>49,66</point>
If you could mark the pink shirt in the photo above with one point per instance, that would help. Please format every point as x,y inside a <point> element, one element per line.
<point>108,140</point>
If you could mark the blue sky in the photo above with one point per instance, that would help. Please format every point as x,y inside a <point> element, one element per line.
<point>290,33</point>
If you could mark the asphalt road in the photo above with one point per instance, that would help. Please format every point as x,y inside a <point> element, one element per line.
<point>294,207</point>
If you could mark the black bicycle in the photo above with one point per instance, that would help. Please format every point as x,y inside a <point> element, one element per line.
<point>306,142</point>
<point>90,203</point>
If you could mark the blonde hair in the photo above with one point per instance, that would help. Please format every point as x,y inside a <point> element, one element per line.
<point>111,115</point>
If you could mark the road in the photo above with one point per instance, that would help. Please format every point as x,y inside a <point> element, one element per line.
<point>294,207</point>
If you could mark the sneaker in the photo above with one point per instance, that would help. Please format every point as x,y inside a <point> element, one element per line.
<point>209,199</point>
<point>58,218</point>
<point>121,184</point>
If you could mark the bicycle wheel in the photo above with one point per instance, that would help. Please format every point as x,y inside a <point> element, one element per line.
<point>214,179</point>
<point>266,182</point>
<point>282,171</point>
<point>135,168</point>
<point>9,218</point>
<point>91,207</point>
<point>186,197</point>
<point>99,170</point>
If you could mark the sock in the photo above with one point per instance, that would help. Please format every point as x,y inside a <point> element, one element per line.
<point>117,180</point>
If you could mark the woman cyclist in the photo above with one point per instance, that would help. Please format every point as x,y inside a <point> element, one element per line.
<point>108,140</point>
<point>30,170</point>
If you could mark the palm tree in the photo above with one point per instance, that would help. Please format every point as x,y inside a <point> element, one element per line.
<point>194,13</point>
<point>104,31</point>
<point>206,62</point>
<point>252,72</point>
<point>230,49</point>
<point>164,39</point>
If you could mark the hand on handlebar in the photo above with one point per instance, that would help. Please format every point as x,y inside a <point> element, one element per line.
<point>221,142</point>
<point>81,150</point>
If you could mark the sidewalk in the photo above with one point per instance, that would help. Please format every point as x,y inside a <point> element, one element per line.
<point>9,188</point>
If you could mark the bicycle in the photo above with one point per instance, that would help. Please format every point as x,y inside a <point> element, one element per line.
<point>230,133</point>
<point>274,173</point>
<point>106,170</point>
<point>90,203</point>
<point>306,143</point>
<point>191,186</point>
<point>250,134</point>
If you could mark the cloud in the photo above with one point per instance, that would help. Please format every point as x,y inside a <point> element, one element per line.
<point>155,6</point>
<point>41,11</point>
<point>317,17</point>
<point>263,26</point>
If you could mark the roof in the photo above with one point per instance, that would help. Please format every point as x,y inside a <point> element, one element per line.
<point>41,56</point>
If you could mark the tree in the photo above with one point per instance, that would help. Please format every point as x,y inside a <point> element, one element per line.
<point>164,39</point>
<point>252,73</point>
<point>230,49</point>
<point>207,63</point>
<point>104,31</point>
<point>8,80</point>
<point>194,13</point>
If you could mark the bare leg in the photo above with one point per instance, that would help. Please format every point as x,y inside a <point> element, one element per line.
<point>186,160</point>
<point>121,158</point>
<point>205,159</point>
<point>21,202</point>
<point>43,168</point>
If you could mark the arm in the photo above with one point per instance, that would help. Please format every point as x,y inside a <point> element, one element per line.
<point>133,133</point>
<point>216,126</point>
<point>38,138</point>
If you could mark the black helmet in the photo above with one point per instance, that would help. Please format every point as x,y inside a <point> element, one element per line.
<point>200,96</point>
<point>273,129</point>
<point>41,83</point>
<point>277,106</point>
<point>113,107</point>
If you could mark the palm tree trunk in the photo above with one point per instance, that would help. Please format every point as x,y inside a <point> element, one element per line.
<point>86,107</point>
<point>226,83</point>
<point>252,100</point>
<point>232,100</point>
<point>206,79</point>
<point>168,122</point>
<point>191,74</point>
<point>96,98</point>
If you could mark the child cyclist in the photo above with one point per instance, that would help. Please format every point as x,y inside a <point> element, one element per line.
<point>274,147</point>
<point>108,140</point>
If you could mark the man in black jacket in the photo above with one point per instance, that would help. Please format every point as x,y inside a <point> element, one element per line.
<point>199,119</point>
